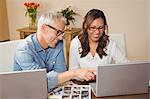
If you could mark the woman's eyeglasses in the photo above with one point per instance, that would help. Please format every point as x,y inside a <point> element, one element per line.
<point>59,32</point>
<point>94,28</point>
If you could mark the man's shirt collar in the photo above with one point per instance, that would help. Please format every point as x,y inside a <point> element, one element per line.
<point>37,45</point>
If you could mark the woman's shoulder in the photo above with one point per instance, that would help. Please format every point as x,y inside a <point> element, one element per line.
<point>112,43</point>
<point>75,41</point>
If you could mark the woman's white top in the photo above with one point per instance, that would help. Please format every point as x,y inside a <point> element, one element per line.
<point>75,61</point>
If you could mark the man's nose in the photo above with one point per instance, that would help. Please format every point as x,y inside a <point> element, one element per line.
<point>61,37</point>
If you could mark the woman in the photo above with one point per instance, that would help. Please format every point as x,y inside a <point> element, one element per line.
<point>93,47</point>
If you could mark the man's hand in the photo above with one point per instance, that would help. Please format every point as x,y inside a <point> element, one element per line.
<point>86,74</point>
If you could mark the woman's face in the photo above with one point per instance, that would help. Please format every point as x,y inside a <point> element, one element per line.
<point>96,30</point>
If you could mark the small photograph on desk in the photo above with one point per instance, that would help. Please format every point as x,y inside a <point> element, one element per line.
<point>67,88</point>
<point>75,97</point>
<point>76,87</point>
<point>86,88</point>
<point>66,97</point>
<point>67,91</point>
<point>76,92</point>
<point>85,95</point>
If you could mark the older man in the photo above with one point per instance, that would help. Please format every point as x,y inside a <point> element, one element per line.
<point>45,50</point>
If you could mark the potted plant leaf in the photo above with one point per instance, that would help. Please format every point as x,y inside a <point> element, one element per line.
<point>69,14</point>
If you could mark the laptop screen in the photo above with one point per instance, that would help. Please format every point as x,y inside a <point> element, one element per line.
<point>31,84</point>
<point>122,79</point>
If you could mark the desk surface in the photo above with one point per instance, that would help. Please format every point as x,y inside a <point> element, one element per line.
<point>137,96</point>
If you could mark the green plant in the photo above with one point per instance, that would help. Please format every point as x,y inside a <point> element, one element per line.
<point>68,13</point>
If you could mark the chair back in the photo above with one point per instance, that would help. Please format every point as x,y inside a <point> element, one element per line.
<point>120,40</point>
<point>7,50</point>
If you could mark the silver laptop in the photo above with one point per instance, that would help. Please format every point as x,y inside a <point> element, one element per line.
<point>30,84</point>
<point>121,79</point>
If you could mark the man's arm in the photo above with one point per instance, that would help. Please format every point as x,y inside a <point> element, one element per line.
<point>24,60</point>
<point>83,74</point>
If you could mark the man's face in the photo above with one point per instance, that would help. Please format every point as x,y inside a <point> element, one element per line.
<point>54,33</point>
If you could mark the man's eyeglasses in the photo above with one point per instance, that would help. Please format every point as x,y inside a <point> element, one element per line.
<point>94,28</point>
<point>59,32</point>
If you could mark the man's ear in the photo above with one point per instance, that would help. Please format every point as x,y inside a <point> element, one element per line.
<point>43,28</point>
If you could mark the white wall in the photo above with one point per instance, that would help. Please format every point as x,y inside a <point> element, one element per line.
<point>123,16</point>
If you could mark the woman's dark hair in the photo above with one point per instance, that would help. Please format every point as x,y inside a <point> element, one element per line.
<point>83,37</point>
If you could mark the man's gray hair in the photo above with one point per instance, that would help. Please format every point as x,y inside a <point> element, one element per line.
<point>49,18</point>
